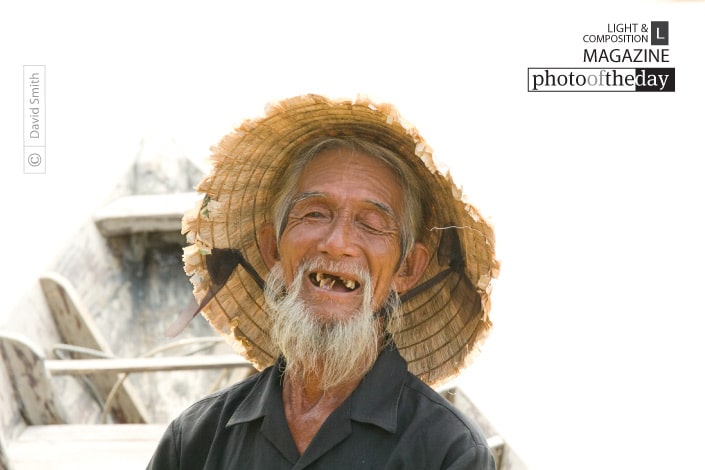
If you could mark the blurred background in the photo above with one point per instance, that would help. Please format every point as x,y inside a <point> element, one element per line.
<point>596,359</point>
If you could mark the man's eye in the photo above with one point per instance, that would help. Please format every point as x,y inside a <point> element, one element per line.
<point>373,229</point>
<point>374,223</point>
<point>314,215</point>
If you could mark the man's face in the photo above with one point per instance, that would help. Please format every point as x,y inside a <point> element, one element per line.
<point>345,215</point>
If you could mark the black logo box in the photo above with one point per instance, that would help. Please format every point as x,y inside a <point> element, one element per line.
<point>659,33</point>
<point>670,81</point>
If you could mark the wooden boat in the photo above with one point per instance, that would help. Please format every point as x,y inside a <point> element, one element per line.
<point>99,314</point>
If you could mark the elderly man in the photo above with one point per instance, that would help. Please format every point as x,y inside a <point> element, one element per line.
<point>333,252</point>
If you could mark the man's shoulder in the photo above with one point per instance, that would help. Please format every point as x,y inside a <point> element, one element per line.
<point>428,405</point>
<point>188,439</point>
<point>222,402</point>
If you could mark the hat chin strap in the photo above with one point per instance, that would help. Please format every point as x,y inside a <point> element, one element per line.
<point>450,253</point>
<point>221,263</point>
<point>426,284</point>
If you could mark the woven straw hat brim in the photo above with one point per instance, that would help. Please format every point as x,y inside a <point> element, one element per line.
<point>440,329</point>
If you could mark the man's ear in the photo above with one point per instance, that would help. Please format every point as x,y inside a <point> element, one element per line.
<point>267,241</point>
<point>412,268</point>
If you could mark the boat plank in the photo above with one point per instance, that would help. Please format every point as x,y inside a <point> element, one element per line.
<point>145,364</point>
<point>91,433</point>
<point>78,446</point>
<point>144,213</point>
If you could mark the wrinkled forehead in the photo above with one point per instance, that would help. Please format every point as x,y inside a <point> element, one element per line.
<point>348,172</point>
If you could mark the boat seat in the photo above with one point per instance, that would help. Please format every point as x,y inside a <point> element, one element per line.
<point>144,213</point>
<point>79,332</point>
<point>77,328</point>
<point>54,445</point>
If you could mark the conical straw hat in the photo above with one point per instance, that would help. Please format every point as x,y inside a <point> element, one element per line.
<point>443,322</point>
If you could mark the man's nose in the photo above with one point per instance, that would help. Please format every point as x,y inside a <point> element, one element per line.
<point>338,239</point>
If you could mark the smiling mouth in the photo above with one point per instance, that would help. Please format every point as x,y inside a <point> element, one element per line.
<point>331,282</point>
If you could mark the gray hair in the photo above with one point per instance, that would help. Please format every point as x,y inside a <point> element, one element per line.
<point>412,209</point>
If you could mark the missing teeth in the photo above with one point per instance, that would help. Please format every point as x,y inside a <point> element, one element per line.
<point>327,282</point>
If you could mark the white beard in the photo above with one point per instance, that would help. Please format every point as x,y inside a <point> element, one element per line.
<point>331,351</point>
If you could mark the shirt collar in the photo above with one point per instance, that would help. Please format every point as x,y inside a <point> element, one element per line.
<point>265,395</point>
<point>374,401</point>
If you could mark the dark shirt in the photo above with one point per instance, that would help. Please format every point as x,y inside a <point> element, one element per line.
<point>391,421</point>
